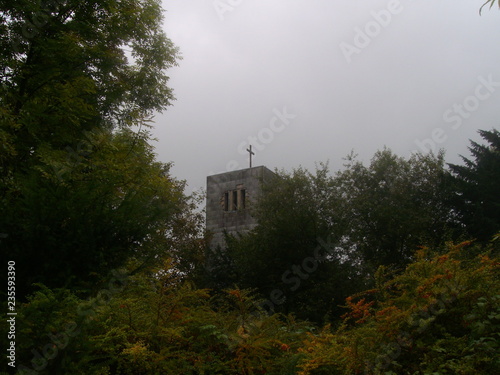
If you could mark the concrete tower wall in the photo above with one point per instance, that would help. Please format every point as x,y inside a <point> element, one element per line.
<point>230,197</point>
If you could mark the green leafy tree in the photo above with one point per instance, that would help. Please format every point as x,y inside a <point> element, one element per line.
<point>117,203</point>
<point>79,191</point>
<point>393,206</point>
<point>70,66</point>
<point>186,240</point>
<point>476,198</point>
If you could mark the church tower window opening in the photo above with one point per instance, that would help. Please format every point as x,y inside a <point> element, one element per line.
<point>234,200</point>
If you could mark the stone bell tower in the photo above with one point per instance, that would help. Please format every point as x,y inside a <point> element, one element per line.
<point>230,196</point>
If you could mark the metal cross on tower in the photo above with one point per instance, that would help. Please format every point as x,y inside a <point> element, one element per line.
<point>251,153</point>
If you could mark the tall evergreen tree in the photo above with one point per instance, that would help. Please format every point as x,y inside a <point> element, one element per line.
<point>477,184</point>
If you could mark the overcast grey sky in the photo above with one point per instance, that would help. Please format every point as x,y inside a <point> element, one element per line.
<point>309,81</point>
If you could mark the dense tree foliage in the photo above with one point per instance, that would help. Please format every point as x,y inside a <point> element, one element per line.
<point>441,315</point>
<point>320,237</point>
<point>292,258</point>
<point>109,253</point>
<point>153,323</point>
<point>79,192</point>
<point>393,206</point>
<point>114,205</point>
<point>70,66</point>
